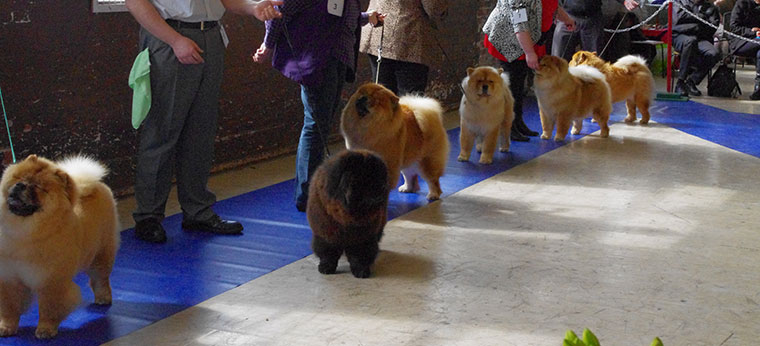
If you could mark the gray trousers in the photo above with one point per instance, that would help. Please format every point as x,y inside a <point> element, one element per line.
<point>589,34</point>
<point>179,131</point>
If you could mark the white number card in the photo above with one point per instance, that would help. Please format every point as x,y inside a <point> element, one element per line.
<point>335,7</point>
<point>519,15</point>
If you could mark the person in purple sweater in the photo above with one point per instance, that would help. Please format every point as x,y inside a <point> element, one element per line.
<point>315,44</point>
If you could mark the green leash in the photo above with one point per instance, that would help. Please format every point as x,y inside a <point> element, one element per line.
<point>10,141</point>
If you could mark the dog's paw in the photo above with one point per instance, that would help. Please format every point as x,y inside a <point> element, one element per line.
<point>406,188</point>
<point>546,135</point>
<point>629,119</point>
<point>479,148</point>
<point>559,139</point>
<point>361,272</point>
<point>504,149</point>
<point>643,122</point>
<point>6,330</point>
<point>104,300</point>
<point>45,332</point>
<point>576,132</point>
<point>605,133</point>
<point>463,158</point>
<point>485,160</point>
<point>432,196</point>
<point>327,268</point>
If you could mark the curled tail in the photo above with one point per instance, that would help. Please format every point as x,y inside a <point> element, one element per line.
<point>633,64</point>
<point>84,170</point>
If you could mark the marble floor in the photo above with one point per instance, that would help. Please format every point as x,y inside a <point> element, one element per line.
<point>652,232</point>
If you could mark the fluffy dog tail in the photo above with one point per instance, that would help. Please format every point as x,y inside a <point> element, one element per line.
<point>84,170</point>
<point>422,104</point>
<point>632,64</point>
<point>586,73</point>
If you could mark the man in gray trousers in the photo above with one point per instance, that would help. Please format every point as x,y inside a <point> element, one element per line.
<point>186,47</point>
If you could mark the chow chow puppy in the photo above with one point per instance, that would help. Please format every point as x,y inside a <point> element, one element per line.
<point>407,133</point>
<point>347,206</point>
<point>629,79</point>
<point>487,106</point>
<point>56,219</point>
<point>568,94</point>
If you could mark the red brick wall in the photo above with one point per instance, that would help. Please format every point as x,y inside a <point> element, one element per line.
<point>63,74</point>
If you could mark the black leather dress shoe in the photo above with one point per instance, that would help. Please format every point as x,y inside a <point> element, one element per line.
<point>692,88</point>
<point>681,88</point>
<point>150,230</point>
<point>213,225</point>
<point>525,131</point>
<point>517,136</point>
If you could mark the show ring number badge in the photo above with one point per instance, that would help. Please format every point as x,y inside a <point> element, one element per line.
<point>335,7</point>
<point>519,15</point>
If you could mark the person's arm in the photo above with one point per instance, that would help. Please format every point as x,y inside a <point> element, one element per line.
<point>526,43</point>
<point>186,50</point>
<point>739,20</point>
<point>566,18</point>
<point>262,10</point>
<point>275,26</point>
<point>630,5</point>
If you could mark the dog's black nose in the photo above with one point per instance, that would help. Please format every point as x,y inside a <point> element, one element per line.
<point>17,189</point>
<point>361,106</point>
<point>485,89</point>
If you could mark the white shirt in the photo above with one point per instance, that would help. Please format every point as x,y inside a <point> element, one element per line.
<point>190,10</point>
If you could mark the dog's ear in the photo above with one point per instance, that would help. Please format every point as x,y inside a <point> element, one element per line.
<point>69,187</point>
<point>501,70</point>
<point>31,158</point>
<point>594,53</point>
<point>469,70</point>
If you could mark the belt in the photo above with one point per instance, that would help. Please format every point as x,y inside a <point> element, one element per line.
<point>192,25</point>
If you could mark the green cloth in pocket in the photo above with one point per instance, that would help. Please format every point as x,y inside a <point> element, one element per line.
<point>139,81</point>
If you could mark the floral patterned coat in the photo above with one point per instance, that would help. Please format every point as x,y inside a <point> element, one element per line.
<point>409,30</point>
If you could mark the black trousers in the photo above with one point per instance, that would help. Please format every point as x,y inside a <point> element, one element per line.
<point>401,77</point>
<point>518,71</point>
<point>697,57</point>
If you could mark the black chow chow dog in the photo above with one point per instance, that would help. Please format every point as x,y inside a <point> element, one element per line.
<point>347,210</point>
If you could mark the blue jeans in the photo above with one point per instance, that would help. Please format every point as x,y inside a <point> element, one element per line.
<point>319,106</point>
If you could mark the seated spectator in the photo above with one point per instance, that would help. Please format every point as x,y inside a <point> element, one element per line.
<point>693,40</point>
<point>745,21</point>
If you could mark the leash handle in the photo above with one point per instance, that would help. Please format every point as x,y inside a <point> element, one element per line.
<point>10,140</point>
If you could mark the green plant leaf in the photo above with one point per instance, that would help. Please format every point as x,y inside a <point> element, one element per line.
<point>571,339</point>
<point>589,338</point>
<point>657,342</point>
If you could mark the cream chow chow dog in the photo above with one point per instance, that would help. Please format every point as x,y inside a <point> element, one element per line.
<point>568,94</point>
<point>486,107</point>
<point>407,133</point>
<point>56,219</point>
<point>629,79</point>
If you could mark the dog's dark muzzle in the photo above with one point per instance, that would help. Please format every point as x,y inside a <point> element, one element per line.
<point>361,106</point>
<point>22,200</point>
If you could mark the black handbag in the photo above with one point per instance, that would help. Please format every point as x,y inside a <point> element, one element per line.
<point>723,83</point>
